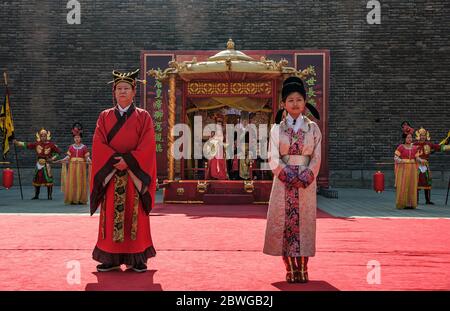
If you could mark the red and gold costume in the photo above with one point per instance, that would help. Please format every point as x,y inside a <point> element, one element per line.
<point>426,148</point>
<point>74,175</point>
<point>406,176</point>
<point>126,197</point>
<point>46,152</point>
<point>217,165</point>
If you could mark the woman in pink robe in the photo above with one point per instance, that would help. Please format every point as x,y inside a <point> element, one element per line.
<point>294,157</point>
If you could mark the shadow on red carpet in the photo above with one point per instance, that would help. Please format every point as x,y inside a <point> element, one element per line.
<point>124,280</point>
<point>310,286</point>
<point>195,211</point>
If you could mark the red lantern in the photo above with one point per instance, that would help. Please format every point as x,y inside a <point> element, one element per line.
<point>8,178</point>
<point>378,182</point>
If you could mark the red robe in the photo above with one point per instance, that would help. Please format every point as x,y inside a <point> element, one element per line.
<point>132,137</point>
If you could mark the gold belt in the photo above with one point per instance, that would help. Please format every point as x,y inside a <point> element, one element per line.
<point>408,161</point>
<point>77,160</point>
<point>42,161</point>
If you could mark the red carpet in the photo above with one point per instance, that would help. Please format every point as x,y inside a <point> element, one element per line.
<point>219,248</point>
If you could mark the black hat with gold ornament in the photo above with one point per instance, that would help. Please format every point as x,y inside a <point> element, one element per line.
<point>127,77</point>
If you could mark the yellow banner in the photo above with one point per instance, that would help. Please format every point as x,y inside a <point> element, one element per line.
<point>6,124</point>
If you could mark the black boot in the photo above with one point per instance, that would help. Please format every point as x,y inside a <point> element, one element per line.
<point>49,192</point>
<point>302,274</point>
<point>428,197</point>
<point>37,189</point>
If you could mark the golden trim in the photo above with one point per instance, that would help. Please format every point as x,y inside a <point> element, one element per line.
<point>251,88</point>
<point>171,121</point>
<point>134,224</point>
<point>208,88</point>
<point>261,202</point>
<point>77,159</point>
<point>233,88</point>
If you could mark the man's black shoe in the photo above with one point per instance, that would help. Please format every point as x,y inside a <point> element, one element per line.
<point>140,268</point>
<point>105,268</point>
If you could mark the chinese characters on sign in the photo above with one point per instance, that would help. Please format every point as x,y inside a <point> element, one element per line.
<point>158,116</point>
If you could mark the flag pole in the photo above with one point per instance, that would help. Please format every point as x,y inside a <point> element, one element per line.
<point>15,148</point>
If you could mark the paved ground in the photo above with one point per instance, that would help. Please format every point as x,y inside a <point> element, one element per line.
<point>368,203</point>
<point>351,203</point>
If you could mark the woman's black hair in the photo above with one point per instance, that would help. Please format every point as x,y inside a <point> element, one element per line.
<point>405,122</point>
<point>77,125</point>
<point>404,136</point>
<point>279,116</point>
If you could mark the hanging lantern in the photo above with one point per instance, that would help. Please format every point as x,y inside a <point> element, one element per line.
<point>8,178</point>
<point>378,182</point>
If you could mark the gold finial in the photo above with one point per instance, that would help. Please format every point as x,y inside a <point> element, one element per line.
<point>230,44</point>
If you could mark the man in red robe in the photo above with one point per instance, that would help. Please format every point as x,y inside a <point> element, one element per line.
<point>123,181</point>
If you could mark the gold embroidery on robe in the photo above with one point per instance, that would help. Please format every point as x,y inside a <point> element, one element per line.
<point>120,194</point>
<point>134,225</point>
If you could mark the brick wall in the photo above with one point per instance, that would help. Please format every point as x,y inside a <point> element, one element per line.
<point>399,70</point>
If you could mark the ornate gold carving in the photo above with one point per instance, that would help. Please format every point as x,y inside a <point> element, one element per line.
<point>251,88</point>
<point>180,191</point>
<point>278,66</point>
<point>171,121</point>
<point>248,186</point>
<point>207,88</point>
<point>230,44</point>
<point>163,75</point>
<point>202,186</point>
<point>234,88</point>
